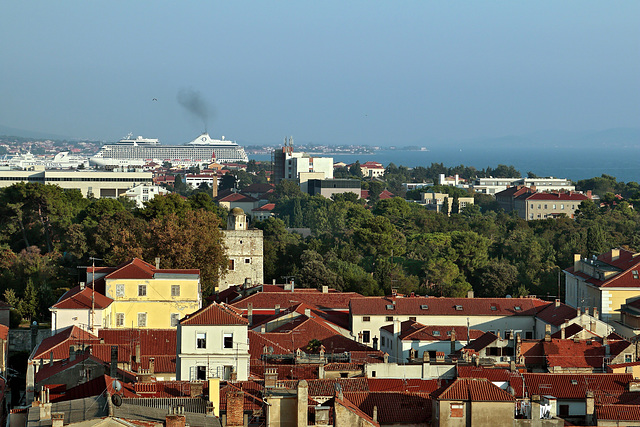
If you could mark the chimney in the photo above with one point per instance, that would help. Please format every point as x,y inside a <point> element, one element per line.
<point>263,329</point>
<point>114,361</point>
<point>557,302</point>
<point>470,294</point>
<point>82,285</point>
<point>50,357</point>
<point>137,353</point>
<point>325,289</point>
<point>589,194</point>
<point>277,309</point>
<point>45,405</point>
<point>547,332</point>
<point>157,263</point>
<point>386,358</point>
<point>576,262</point>
<point>615,254</point>
<point>578,312</point>
<point>303,403</point>
<point>274,282</point>
<point>175,420</point>
<point>270,377</point>
<point>453,341</point>
<point>214,186</point>
<point>322,415</point>
<point>590,407</point>
<point>235,408</point>
<point>152,365</point>
<point>72,353</point>
<point>562,332</point>
<point>307,312</point>
<point>195,388</point>
<point>250,313</point>
<point>425,356</point>
<point>57,419</point>
<point>374,417</point>
<point>592,326</point>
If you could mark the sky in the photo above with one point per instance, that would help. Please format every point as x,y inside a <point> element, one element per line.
<point>334,72</point>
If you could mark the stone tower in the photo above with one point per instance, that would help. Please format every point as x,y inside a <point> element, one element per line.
<point>245,252</point>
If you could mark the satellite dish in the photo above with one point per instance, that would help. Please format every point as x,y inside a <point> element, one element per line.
<point>117,386</point>
<point>116,399</point>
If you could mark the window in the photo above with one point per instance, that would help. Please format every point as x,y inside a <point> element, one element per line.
<point>389,318</point>
<point>383,341</point>
<point>531,205</point>
<point>457,410</point>
<point>436,333</point>
<point>175,318</point>
<point>201,373</point>
<point>554,206</point>
<point>528,335</point>
<point>539,206</point>
<point>561,206</point>
<point>175,290</point>
<point>366,318</point>
<point>494,308</point>
<point>424,307</point>
<point>247,260</point>
<point>201,340</point>
<point>545,206</point>
<point>627,358</point>
<point>227,341</point>
<point>142,320</point>
<point>142,290</point>
<point>458,307</point>
<point>119,319</point>
<point>391,307</point>
<point>119,290</point>
<point>366,336</point>
<point>232,265</point>
<point>373,374</point>
<point>635,273</point>
<point>517,308</point>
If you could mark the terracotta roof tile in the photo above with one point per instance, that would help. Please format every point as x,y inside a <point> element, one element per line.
<point>474,389</point>
<point>410,385</point>
<point>214,314</point>
<point>268,300</point>
<point>353,408</point>
<point>575,386</point>
<point>59,343</point>
<point>411,330</point>
<point>394,408</point>
<point>618,412</point>
<point>444,306</point>
<point>83,300</point>
<point>556,315</point>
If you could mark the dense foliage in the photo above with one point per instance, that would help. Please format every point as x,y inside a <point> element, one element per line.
<point>46,233</point>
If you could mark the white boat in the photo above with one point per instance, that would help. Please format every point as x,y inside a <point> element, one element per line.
<point>140,151</point>
<point>62,160</point>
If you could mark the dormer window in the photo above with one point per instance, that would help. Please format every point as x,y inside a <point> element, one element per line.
<point>635,273</point>
<point>436,333</point>
<point>424,307</point>
<point>458,307</point>
<point>390,306</point>
<point>517,308</point>
<point>574,382</point>
<point>494,308</point>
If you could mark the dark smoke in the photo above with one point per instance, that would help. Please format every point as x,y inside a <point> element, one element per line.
<point>194,103</point>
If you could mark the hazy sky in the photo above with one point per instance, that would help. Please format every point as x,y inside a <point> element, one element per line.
<point>394,72</point>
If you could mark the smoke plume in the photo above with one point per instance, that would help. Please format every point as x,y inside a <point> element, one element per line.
<point>195,104</point>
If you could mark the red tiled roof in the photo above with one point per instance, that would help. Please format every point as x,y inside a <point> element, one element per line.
<point>569,331</point>
<point>257,343</point>
<point>237,197</point>
<point>214,314</point>
<point>327,387</point>
<point>265,208</point>
<point>626,262</point>
<point>556,315</point>
<point>582,354</point>
<point>353,408</point>
<point>285,371</point>
<point>153,342</point>
<point>139,269</point>
<point>268,300</point>
<point>575,386</point>
<point>394,408</point>
<point>96,387</point>
<point>59,343</point>
<point>411,330</point>
<point>482,342</point>
<point>411,385</point>
<point>474,389</point>
<point>83,300</point>
<point>618,412</point>
<point>342,367</point>
<point>578,197</point>
<point>444,306</point>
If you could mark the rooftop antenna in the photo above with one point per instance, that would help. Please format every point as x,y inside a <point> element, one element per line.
<point>93,289</point>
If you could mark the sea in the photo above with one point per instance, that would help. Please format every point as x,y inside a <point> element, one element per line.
<point>559,162</point>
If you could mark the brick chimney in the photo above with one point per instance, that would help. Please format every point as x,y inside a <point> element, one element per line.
<point>235,408</point>
<point>615,254</point>
<point>270,377</point>
<point>175,420</point>
<point>57,419</point>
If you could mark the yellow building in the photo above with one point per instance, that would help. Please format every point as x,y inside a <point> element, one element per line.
<point>145,296</point>
<point>606,281</point>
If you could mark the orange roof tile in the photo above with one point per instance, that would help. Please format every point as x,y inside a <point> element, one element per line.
<point>214,314</point>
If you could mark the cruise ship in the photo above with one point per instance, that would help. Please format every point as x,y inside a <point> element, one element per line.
<point>141,151</point>
<point>62,160</point>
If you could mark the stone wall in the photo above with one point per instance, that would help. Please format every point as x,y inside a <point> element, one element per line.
<point>20,339</point>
